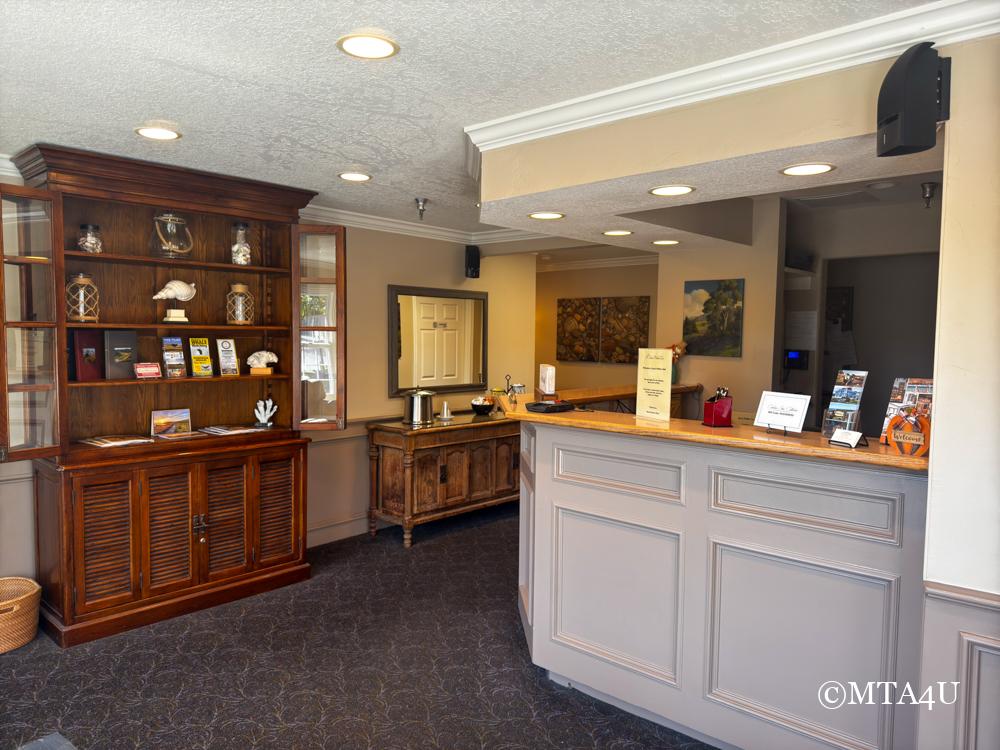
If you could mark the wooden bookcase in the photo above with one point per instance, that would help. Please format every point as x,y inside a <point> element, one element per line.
<point>126,536</point>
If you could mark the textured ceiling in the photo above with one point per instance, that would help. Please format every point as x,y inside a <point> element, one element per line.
<point>260,90</point>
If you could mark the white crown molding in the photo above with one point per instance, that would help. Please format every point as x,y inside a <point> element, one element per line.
<point>7,169</point>
<point>580,265</point>
<point>327,215</point>
<point>943,23</point>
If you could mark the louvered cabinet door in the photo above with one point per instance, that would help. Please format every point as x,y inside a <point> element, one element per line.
<point>225,550</point>
<point>278,493</point>
<point>105,541</point>
<point>167,502</point>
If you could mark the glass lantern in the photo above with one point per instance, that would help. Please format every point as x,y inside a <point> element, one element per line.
<point>89,239</point>
<point>241,245</point>
<point>171,236</point>
<point>82,299</point>
<point>239,305</point>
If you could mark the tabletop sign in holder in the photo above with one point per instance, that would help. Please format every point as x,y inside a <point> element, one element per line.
<point>848,439</point>
<point>782,412</point>
<point>652,390</point>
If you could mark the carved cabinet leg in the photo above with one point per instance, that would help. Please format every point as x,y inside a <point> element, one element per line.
<point>373,506</point>
<point>407,537</point>
<point>407,497</point>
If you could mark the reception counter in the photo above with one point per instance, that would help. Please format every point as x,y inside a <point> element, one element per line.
<point>713,580</point>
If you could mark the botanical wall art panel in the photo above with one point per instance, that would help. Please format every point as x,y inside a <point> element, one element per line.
<point>624,328</point>
<point>578,329</point>
<point>713,317</point>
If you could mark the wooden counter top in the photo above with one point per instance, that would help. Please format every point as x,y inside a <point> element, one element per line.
<point>611,393</point>
<point>806,445</point>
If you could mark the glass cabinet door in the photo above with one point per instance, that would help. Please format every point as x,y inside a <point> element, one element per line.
<point>29,381</point>
<point>320,360</point>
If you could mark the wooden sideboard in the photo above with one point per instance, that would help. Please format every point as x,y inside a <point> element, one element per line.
<point>421,474</point>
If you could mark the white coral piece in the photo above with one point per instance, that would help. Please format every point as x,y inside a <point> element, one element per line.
<point>176,289</point>
<point>264,411</point>
<point>263,358</point>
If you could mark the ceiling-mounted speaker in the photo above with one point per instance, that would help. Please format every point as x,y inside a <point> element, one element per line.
<point>472,261</point>
<point>913,99</point>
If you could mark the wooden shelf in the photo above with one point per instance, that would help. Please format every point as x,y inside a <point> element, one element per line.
<point>144,260</point>
<point>185,327</point>
<point>30,387</point>
<point>172,381</point>
<point>27,260</point>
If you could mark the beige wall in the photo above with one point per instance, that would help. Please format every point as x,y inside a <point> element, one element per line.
<point>591,282</point>
<point>338,462</point>
<point>811,110</point>
<point>963,524</point>
<point>759,265</point>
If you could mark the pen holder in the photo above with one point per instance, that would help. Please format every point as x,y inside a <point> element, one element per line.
<point>719,412</point>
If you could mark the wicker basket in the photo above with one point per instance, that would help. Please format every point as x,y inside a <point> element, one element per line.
<point>19,599</point>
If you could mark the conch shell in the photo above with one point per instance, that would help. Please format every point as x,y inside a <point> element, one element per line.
<point>176,289</point>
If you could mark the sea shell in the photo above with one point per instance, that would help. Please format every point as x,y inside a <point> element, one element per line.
<point>176,289</point>
<point>262,358</point>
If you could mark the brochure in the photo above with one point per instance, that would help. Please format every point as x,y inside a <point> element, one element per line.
<point>228,363</point>
<point>169,421</point>
<point>201,360</point>
<point>173,357</point>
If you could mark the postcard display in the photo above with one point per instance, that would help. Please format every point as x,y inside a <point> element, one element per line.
<point>173,536</point>
<point>843,413</point>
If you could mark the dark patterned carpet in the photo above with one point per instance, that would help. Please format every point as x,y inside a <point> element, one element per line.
<point>383,648</point>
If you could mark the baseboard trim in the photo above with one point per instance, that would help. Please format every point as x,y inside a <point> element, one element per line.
<point>334,531</point>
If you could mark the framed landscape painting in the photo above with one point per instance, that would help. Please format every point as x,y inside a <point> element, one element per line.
<point>713,317</point>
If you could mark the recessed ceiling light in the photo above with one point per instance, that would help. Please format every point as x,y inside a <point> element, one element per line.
<point>806,170</point>
<point>354,176</point>
<point>672,190</point>
<point>367,46</point>
<point>666,242</point>
<point>158,130</point>
<point>617,233</point>
<point>546,215</point>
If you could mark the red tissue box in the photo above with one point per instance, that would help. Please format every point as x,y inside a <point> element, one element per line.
<point>719,412</point>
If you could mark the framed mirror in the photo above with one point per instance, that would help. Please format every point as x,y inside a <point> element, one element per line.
<point>437,339</point>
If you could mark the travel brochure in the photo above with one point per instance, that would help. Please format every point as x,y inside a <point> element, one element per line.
<point>201,360</point>
<point>173,357</point>
<point>909,397</point>
<point>842,413</point>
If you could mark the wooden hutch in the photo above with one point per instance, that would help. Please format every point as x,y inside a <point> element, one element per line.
<point>131,535</point>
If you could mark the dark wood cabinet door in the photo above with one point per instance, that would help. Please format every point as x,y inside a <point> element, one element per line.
<point>455,487</point>
<point>225,550</point>
<point>481,469</point>
<point>167,499</point>
<point>506,460</point>
<point>105,541</point>
<point>277,496</point>
<point>427,476</point>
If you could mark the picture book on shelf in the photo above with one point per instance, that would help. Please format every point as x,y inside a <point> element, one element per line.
<point>170,421</point>
<point>173,357</point>
<point>121,352</point>
<point>88,355</point>
<point>116,441</point>
<point>201,360</point>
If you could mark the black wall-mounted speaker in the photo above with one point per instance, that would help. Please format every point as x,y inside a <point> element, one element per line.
<point>913,99</point>
<point>472,261</point>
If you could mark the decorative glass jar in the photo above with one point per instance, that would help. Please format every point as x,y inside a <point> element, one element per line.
<point>82,299</point>
<point>239,305</point>
<point>171,236</point>
<point>89,239</point>
<point>241,245</point>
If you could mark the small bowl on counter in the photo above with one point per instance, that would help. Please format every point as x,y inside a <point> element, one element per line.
<point>483,405</point>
